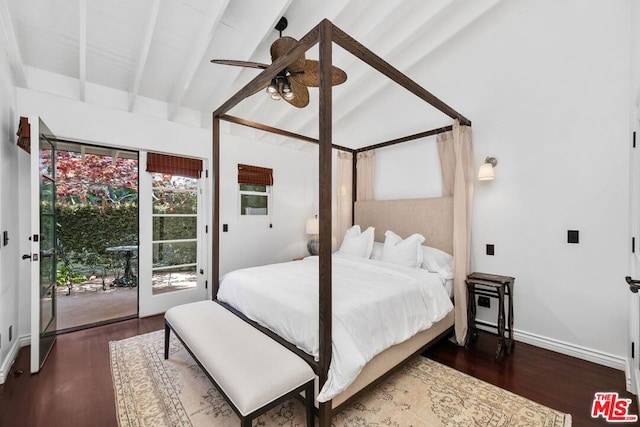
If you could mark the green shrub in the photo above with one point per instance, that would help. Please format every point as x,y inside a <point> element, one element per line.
<point>65,275</point>
<point>92,228</point>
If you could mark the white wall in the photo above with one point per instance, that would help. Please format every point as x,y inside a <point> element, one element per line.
<point>10,254</point>
<point>250,241</point>
<point>396,169</point>
<point>547,87</point>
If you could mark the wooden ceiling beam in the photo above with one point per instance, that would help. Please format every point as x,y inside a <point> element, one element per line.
<point>388,19</point>
<point>357,49</point>
<point>149,30</point>
<point>13,49</point>
<point>82,54</point>
<point>203,40</point>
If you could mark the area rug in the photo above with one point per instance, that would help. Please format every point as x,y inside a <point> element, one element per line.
<point>151,391</point>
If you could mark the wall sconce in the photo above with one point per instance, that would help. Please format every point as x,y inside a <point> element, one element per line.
<point>313,228</point>
<point>486,172</point>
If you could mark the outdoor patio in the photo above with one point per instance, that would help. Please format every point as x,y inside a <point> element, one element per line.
<point>88,303</point>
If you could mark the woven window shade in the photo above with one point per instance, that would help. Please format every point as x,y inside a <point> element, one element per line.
<point>174,165</point>
<point>24,134</point>
<point>255,175</point>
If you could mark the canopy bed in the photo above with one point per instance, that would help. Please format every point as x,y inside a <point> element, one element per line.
<point>433,218</point>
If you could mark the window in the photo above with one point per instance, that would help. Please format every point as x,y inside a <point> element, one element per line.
<point>254,183</point>
<point>175,232</point>
<point>254,199</point>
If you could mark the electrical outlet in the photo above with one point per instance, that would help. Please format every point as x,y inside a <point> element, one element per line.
<point>484,302</point>
<point>491,249</point>
<point>225,228</point>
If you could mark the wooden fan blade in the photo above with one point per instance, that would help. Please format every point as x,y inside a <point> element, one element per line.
<point>311,77</point>
<point>248,64</point>
<point>300,95</point>
<point>281,47</point>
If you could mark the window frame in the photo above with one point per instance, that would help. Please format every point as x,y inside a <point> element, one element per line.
<point>268,193</point>
<point>197,239</point>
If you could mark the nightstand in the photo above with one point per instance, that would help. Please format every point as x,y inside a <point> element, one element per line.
<point>492,286</point>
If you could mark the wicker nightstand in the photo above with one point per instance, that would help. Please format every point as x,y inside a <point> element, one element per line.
<point>493,286</point>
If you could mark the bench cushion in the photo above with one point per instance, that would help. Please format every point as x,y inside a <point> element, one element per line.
<point>248,366</point>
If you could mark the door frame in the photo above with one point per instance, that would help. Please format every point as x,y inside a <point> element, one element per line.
<point>149,304</point>
<point>632,368</point>
<point>38,128</point>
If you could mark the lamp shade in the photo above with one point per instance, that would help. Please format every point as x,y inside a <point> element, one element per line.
<point>313,226</point>
<point>486,172</point>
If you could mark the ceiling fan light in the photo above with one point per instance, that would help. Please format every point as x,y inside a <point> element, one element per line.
<point>276,96</point>
<point>273,87</point>
<point>288,96</point>
<point>286,87</point>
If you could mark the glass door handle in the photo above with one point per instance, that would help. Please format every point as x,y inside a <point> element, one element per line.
<point>26,256</point>
<point>46,254</point>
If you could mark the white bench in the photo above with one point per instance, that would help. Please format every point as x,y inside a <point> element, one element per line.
<point>252,371</point>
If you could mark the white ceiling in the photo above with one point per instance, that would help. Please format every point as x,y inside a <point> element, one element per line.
<point>160,49</point>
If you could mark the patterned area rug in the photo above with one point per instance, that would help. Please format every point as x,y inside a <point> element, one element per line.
<point>151,391</point>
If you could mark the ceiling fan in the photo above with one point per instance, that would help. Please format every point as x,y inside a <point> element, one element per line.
<point>291,83</point>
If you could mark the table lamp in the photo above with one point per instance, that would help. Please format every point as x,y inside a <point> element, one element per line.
<point>313,228</point>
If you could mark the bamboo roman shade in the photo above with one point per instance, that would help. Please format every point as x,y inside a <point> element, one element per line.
<point>24,134</point>
<point>174,165</point>
<point>254,175</point>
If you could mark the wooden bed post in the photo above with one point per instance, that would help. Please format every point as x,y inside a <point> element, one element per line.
<point>354,185</point>
<point>325,171</point>
<point>215,226</point>
<point>325,34</point>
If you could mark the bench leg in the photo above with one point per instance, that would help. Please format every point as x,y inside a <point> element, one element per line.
<point>167,331</point>
<point>310,399</point>
<point>246,422</point>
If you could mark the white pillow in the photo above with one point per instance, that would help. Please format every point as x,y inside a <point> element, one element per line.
<point>357,243</point>
<point>406,252</point>
<point>376,253</point>
<point>437,261</point>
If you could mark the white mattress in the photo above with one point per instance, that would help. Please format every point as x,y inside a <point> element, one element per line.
<point>375,305</point>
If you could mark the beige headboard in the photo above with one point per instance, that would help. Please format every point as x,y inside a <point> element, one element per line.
<point>432,217</point>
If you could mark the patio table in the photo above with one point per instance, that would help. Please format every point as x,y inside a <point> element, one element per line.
<point>128,278</point>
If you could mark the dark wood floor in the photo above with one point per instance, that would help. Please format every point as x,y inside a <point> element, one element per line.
<point>75,389</point>
<point>564,383</point>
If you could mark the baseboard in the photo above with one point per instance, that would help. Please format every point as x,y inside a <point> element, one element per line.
<point>5,368</point>
<point>584,353</point>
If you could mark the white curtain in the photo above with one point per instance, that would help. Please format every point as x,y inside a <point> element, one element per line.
<point>366,167</point>
<point>456,153</point>
<point>447,161</point>
<point>344,194</point>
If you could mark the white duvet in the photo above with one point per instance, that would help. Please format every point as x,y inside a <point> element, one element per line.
<point>375,305</point>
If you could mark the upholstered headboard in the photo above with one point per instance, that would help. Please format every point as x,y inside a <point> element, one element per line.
<point>432,217</point>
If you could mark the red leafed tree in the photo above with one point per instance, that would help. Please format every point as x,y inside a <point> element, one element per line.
<point>95,179</point>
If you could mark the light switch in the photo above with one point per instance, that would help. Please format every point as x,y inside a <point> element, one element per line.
<point>573,236</point>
